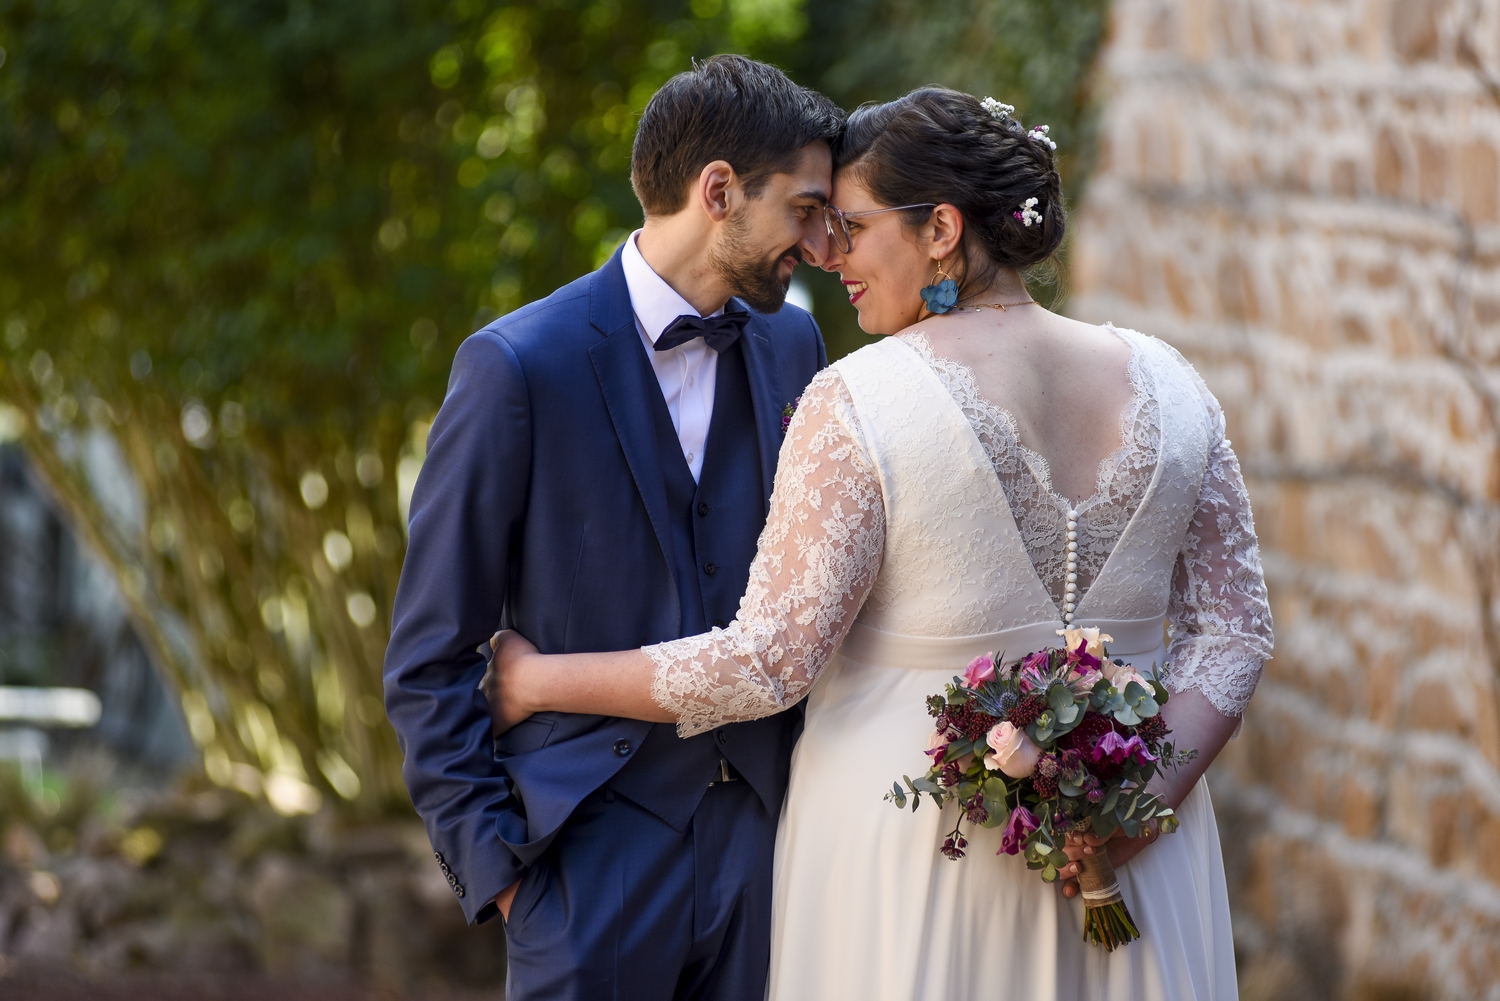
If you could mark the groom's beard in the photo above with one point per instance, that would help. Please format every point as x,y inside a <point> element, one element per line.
<point>759,283</point>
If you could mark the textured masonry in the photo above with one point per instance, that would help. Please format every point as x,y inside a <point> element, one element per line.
<point>1305,198</point>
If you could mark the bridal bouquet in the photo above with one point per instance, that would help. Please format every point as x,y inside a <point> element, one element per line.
<point>1064,741</point>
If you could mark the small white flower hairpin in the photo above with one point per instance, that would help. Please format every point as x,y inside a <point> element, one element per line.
<point>1039,133</point>
<point>1028,213</point>
<point>997,110</point>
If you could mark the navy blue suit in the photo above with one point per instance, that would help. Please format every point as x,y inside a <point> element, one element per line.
<point>555,499</point>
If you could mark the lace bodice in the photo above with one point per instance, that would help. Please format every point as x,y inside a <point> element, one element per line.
<point>822,559</point>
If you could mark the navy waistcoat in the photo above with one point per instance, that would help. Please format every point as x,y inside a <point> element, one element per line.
<point>715,524</point>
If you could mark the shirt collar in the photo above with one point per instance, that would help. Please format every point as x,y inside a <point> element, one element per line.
<point>656,303</point>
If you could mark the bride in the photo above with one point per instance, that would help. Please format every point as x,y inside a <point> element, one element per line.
<point>988,476</point>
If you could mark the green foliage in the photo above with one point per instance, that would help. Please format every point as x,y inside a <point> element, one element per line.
<point>240,241</point>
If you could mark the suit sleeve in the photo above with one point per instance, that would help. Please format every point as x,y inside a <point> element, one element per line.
<point>467,508</point>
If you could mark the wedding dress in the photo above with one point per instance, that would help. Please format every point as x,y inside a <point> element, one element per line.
<point>911,530</point>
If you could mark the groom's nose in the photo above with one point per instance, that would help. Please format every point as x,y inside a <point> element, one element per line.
<point>814,242</point>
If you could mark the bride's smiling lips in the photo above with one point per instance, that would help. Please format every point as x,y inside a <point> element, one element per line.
<point>855,289</point>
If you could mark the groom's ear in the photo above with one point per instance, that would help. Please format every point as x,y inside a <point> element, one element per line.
<point>718,190</point>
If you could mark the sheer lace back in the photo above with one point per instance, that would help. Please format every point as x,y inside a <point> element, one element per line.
<point>1041,513</point>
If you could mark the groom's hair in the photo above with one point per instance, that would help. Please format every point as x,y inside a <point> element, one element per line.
<point>725,108</point>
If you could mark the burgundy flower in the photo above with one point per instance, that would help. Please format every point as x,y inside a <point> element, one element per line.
<point>1027,710</point>
<point>975,810</point>
<point>1088,731</point>
<point>1022,823</point>
<point>952,774</point>
<point>954,846</point>
<point>1152,728</point>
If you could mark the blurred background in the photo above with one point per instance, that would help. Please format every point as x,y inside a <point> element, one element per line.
<point>240,242</point>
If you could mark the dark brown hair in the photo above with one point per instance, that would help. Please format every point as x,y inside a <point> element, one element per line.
<point>725,108</point>
<point>937,145</point>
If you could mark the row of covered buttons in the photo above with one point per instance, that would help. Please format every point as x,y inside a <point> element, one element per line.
<point>452,879</point>
<point>1070,590</point>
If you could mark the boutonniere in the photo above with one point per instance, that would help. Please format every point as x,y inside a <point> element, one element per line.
<point>787,413</point>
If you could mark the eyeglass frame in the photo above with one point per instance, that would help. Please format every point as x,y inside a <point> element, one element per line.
<point>832,212</point>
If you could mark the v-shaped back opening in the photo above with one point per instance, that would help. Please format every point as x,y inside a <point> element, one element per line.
<point>1048,522</point>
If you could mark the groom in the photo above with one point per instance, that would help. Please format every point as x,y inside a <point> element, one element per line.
<point>597,478</point>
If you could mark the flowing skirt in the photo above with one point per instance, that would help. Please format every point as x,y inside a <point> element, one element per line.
<point>867,907</point>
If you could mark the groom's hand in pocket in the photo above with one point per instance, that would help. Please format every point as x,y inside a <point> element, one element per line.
<point>505,898</point>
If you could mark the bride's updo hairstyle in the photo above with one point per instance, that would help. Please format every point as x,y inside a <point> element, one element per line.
<point>938,145</point>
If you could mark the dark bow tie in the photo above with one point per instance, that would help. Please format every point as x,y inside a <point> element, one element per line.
<point>718,332</point>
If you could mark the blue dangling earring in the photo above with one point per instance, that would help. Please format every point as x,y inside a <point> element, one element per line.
<point>942,294</point>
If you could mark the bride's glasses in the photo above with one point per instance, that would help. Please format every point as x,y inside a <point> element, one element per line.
<point>837,221</point>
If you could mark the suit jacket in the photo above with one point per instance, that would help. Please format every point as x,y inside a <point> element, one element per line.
<point>541,505</point>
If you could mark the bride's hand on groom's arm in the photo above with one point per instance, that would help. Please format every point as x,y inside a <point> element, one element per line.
<point>503,684</point>
<point>521,681</point>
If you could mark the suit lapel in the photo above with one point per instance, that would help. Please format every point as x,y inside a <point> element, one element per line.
<point>765,386</point>
<point>627,382</point>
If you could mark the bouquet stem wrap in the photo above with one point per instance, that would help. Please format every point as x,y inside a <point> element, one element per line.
<point>1106,919</point>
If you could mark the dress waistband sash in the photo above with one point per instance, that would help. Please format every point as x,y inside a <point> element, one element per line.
<point>1132,638</point>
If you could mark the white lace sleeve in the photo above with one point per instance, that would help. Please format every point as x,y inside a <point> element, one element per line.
<point>1219,615</point>
<point>817,559</point>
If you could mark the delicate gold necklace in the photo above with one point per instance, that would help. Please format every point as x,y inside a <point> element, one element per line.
<point>1001,306</point>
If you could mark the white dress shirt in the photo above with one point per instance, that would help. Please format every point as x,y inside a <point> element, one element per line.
<point>687,373</point>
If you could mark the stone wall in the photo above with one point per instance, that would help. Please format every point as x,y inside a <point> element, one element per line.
<point>1303,197</point>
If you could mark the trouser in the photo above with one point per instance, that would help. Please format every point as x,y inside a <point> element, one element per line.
<point>623,907</point>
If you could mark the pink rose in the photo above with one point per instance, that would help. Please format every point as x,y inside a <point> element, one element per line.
<point>1012,752</point>
<point>1085,682</point>
<point>980,670</point>
<point>1121,675</point>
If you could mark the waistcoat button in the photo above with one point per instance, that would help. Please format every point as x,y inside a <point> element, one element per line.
<point>702,510</point>
<point>710,569</point>
<point>622,747</point>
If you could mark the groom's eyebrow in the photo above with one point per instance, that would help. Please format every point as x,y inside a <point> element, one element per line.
<point>821,197</point>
